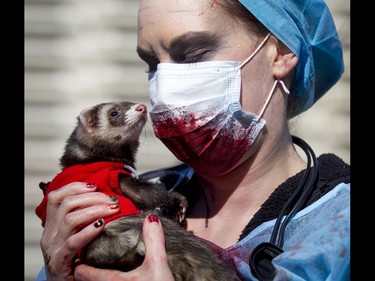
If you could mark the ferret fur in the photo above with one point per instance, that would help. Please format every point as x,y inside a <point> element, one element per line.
<point>110,132</point>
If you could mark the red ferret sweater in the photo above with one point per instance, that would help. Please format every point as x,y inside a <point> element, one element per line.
<point>104,174</point>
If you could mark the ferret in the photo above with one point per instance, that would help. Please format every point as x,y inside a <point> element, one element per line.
<point>110,132</point>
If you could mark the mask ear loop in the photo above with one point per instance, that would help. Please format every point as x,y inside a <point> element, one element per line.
<point>254,53</point>
<point>270,95</point>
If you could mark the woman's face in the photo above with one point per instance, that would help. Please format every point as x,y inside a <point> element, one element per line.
<point>179,31</point>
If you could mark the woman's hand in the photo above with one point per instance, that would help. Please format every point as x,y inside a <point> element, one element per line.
<point>155,266</point>
<point>73,219</point>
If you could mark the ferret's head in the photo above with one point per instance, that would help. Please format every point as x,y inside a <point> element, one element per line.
<point>106,132</point>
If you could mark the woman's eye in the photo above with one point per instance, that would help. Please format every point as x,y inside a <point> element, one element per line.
<point>192,60</point>
<point>194,57</point>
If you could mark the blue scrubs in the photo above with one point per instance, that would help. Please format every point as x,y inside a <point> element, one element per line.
<point>316,245</point>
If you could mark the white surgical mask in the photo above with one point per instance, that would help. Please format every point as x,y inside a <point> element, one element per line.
<point>196,113</point>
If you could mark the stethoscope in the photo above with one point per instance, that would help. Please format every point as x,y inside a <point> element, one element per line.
<point>260,259</point>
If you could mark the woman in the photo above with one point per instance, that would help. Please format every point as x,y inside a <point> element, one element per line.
<point>225,78</point>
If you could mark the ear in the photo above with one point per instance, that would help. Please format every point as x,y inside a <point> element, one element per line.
<point>87,118</point>
<point>284,63</point>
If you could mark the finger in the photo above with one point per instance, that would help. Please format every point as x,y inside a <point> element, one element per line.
<point>82,238</point>
<point>155,267</point>
<point>74,212</point>
<point>80,218</point>
<point>55,213</point>
<point>70,197</point>
<point>56,197</point>
<point>153,236</point>
<point>60,260</point>
<point>84,272</point>
<point>156,258</point>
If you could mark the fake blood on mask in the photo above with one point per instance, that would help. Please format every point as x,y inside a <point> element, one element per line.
<point>211,149</point>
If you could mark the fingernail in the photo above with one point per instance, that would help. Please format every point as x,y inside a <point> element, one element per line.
<point>114,206</point>
<point>77,262</point>
<point>90,185</point>
<point>156,211</point>
<point>153,218</point>
<point>113,198</point>
<point>99,223</point>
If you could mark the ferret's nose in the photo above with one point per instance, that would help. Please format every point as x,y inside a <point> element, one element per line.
<point>141,108</point>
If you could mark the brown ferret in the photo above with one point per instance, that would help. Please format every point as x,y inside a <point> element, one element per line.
<point>110,132</point>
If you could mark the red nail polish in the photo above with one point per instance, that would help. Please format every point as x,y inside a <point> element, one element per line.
<point>114,206</point>
<point>90,185</point>
<point>153,218</point>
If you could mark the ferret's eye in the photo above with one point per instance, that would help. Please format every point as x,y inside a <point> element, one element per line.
<point>114,113</point>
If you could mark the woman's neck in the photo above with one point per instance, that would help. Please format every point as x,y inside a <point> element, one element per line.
<point>227,203</point>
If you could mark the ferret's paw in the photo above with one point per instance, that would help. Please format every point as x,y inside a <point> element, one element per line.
<point>44,186</point>
<point>182,211</point>
<point>157,211</point>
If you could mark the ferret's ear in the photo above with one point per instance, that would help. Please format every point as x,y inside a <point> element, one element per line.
<point>88,119</point>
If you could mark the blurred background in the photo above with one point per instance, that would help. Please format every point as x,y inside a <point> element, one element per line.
<point>79,53</point>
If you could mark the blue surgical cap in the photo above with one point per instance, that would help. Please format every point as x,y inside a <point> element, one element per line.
<point>307,28</point>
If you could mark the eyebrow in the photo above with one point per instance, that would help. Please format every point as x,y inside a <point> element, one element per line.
<point>192,41</point>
